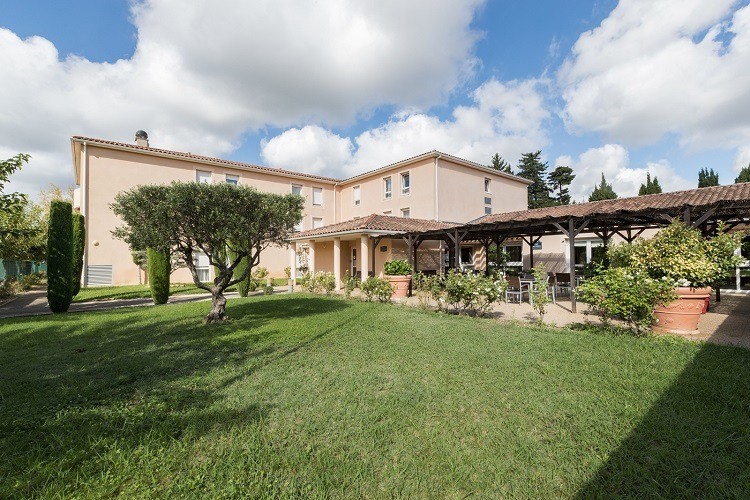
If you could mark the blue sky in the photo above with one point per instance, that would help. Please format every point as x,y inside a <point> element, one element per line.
<point>600,108</point>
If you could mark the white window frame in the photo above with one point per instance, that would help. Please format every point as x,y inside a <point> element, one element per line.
<point>487,185</point>
<point>297,186</point>
<point>357,195</point>
<point>407,211</point>
<point>232,179</point>
<point>203,271</point>
<point>405,190</point>
<point>200,174</point>
<point>317,222</point>
<point>387,191</point>
<point>320,191</point>
<point>488,210</point>
<point>300,225</point>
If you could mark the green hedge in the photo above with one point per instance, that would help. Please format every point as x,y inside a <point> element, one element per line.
<point>60,256</point>
<point>79,243</point>
<point>158,275</point>
<point>243,287</point>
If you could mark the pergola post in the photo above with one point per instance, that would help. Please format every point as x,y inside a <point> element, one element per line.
<point>572,267</point>
<point>417,244</point>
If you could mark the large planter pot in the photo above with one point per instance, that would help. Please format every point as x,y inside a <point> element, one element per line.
<point>400,285</point>
<point>682,315</point>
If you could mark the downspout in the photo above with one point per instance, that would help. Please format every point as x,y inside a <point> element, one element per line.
<point>84,211</point>
<point>437,214</point>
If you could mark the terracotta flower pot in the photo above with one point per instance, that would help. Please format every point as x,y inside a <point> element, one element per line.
<point>682,315</point>
<point>400,285</point>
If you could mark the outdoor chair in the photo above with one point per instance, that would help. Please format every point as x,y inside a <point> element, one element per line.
<point>514,292</point>
<point>562,282</point>
<point>550,289</point>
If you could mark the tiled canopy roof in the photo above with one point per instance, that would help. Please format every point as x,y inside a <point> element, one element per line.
<point>665,202</point>
<point>376,222</point>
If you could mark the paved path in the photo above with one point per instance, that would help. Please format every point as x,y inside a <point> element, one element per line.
<point>34,303</point>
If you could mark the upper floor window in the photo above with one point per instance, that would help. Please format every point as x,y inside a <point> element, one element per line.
<point>405,183</point>
<point>387,188</point>
<point>405,213</point>
<point>298,226</point>
<point>233,179</point>
<point>297,189</point>
<point>487,185</point>
<point>487,210</point>
<point>357,195</point>
<point>317,222</point>
<point>203,177</point>
<point>318,196</point>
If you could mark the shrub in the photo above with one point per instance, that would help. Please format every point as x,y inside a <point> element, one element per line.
<point>426,288</point>
<point>621,254</point>
<point>321,282</point>
<point>30,281</point>
<point>539,297</point>
<point>60,256</point>
<point>350,283</point>
<point>376,289</point>
<point>397,268</point>
<point>472,293</point>
<point>158,275</point>
<point>79,244</point>
<point>243,286</point>
<point>288,272</point>
<point>621,293</point>
<point>9,288</point>
<point>267,289</point>
<point>258,278</point>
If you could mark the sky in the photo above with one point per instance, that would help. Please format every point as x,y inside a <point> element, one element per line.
<point>337,88</point>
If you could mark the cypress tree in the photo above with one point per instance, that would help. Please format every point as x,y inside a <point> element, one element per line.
<point>158,275</point>
<point>651,186</point>
<point>60,256</point>
<point>744,175</point>
<point>707,178</point>
<point>79,243</point>
<point>243,287</point>
<point>603,191</point>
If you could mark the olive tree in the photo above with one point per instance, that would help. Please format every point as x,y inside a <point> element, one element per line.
<point>225,222</point>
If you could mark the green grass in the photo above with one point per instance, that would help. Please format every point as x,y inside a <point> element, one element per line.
<point>321,397</point>
<point>142,291</point>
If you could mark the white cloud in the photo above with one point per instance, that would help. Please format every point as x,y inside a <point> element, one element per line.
<point>613,161</point>
<point>667,67</point>
<point>205,72</point>
<point>507,118</point>
<point>742,159</point>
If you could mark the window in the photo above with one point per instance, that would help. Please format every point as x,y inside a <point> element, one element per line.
<point>202,266</point>
<point>487,185</point>
<point>233,179</point>
<point>357,195</point>
<point>487,200</point>
<point>297,189</point>
<point>203,177</point>
<point>405,213</point>
<point>318,196</point>
<point>298,226</point>
<point>387,188</point>
<point>387,212</point>
<point>405,183</point>
<point>587,251</point>
<point>317,222</point>
<point>487,210</point>
<point>467,258</point>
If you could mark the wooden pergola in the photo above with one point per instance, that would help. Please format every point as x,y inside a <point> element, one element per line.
<point>703,208</point>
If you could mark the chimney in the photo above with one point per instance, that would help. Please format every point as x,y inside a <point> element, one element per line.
<point>141,138</point>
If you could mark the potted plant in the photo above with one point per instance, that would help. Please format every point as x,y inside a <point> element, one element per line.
<point>398,274</point>
<point>692,263</point>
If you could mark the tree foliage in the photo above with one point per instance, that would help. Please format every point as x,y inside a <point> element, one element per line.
<point>79,244</point>
<point>559,180</point>
<point>214,219</point>
<point>744,175</point>
<point>707,178</point>
<point>651,186</point>
<point>531,167</point>
<point>24,232</point>
<point>60,256</point>
<point>603,191</point>
<point>498,163</point>
<point>11,201</point>
<point>158,274</point>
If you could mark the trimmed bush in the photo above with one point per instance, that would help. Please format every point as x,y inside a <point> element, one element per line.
<point>258,278</point>
<point>60,256</point>
<point>79,243</point>
<point>374,288</point>
<point>243,286</point>
<point>321,282</point>
<point>397,268</point>
<point>158,275</point>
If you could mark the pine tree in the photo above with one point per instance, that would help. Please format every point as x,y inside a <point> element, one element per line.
<point>603,191</point>
<point>651,186</point>
<point>707,178</point>
<point>498,163</point>
<point>531,167</point>
<point>559,180</point>
<point>744,175</point>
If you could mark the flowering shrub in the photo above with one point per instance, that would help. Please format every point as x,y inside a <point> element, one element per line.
<point>472,293</point>
<point>426,288</point>
<point>376,289</point>
<point>539,297</point>
<point>258,278</point>
<point>397,268</point>
<point>680,254</point>
<point>321,282</point>
<point>350,283</point>
<point>628,295</point>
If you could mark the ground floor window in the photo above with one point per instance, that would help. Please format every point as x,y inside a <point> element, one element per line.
<point>202,266</point>
<point>467,257</point>
<point>588,251</point>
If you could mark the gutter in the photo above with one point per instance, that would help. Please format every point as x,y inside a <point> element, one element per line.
<point>344,233</point>
<point>85,211</point>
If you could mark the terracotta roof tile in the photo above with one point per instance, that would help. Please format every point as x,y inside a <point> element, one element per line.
<point>376,222</point>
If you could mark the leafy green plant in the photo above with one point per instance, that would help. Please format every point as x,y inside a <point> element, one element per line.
<point>628,295</point>
<point>267,289</point>
<point>397,268</point>
<point>9,288</point>
<point>423,286</point>
<point>321,282</point>
<point>539,298</point>
<point>79,244</point>
<point>350,283</point>
<point>158,275</point>
<point>60,256</point>
<point>258,278</point>
<point>288,272</point>
<point>470,293</point>
<point>375,288</point>
<point>243,286</point>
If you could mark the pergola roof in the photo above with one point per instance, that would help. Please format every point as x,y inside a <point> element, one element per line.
<point>375,223</point>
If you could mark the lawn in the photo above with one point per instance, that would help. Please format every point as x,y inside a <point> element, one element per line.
<point>142,291</point>
<point>311,396</point>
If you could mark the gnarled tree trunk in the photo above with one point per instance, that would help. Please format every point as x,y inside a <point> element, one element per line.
<point>218,307</point>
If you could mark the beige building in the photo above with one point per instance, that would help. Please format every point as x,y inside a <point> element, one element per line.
<point>339,230</point>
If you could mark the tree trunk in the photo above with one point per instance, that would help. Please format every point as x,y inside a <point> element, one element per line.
<point>218,307</point>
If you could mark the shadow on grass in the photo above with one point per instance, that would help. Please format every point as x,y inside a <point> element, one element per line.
<point>693,442</point>
<point>73,386</point>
